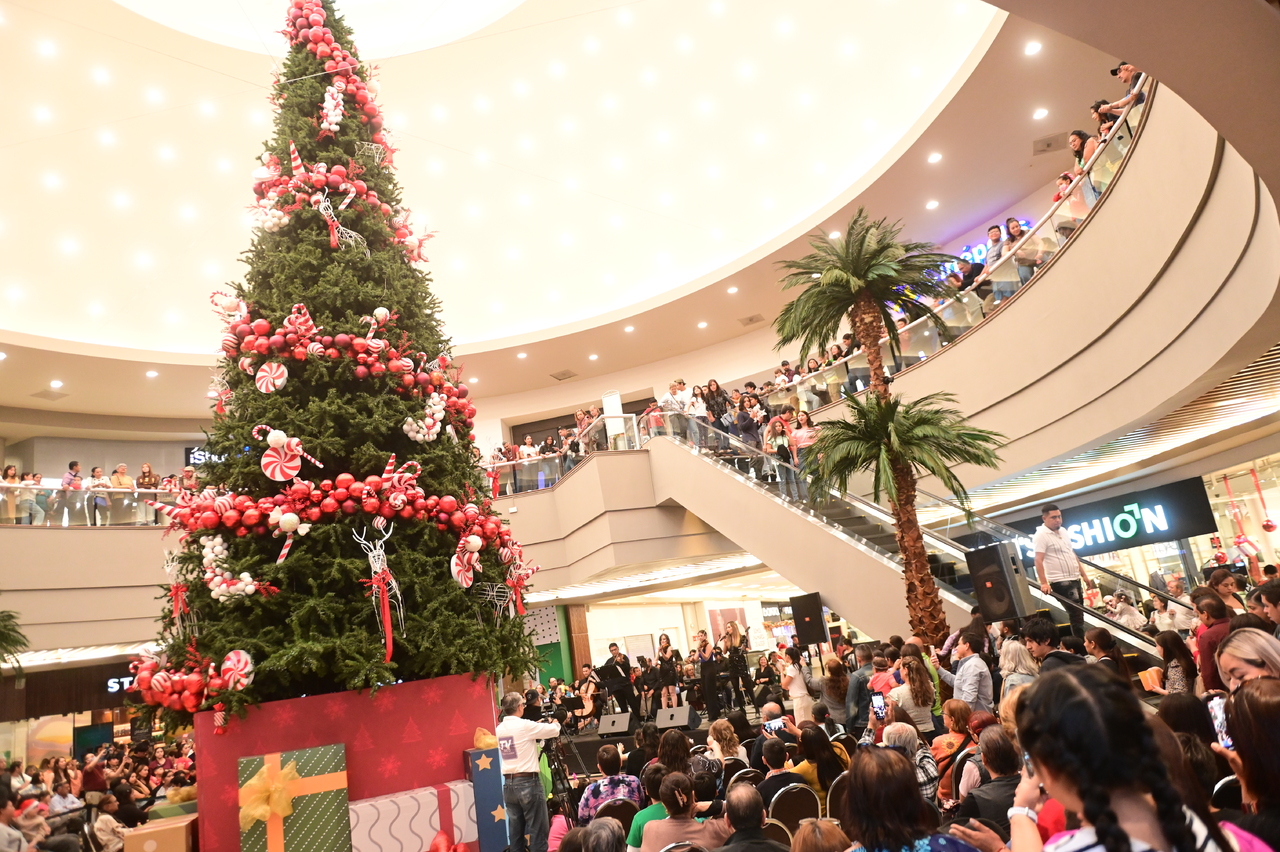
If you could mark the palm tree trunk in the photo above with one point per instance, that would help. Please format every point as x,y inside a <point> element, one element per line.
<point>867,324</point>
<point>924,606</point>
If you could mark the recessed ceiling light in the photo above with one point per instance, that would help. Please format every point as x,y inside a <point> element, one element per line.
<point>935,157</point>
<point>629,329</point>
<point>1040,113</point>
<point>3,356</point>
<point>593,357</point>
<point>151,374</point>
<point>702,325</point>
<point>931,205</point>
<point>1033,47</point>
<point>733,289</point>
<point>522,355</point>
<point>473,380</point>
<point>834,235</point>
<point>55,384</point>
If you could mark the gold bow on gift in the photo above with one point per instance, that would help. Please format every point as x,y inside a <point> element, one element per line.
<point>262,796</point>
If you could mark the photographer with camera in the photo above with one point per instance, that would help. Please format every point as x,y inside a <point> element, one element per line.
<point>522,793</point>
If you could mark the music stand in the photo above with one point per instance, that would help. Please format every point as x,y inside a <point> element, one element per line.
<point>571,703</point>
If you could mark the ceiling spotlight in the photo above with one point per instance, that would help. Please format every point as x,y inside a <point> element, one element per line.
<point>733,289</point>
<point>931,205</point>
<point>834,235</point>
<point>55,384</point>
<point>593,357</point>
<point>473,380</point>
<point>629,329</point>
<point>1040,113</point>
<point>935,157</point>
<point>1033,47</point>
<point>522,355</point>
<point>151,374</point>
<point>3,356</point>
<point>702,325</point>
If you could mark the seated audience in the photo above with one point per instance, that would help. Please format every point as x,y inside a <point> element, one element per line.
<point>948,747</point>
<point>992,799</point>
<point>907,739</point>
<point>128,811</point>
<point>722,741</point>
<point>604,835</point>
<point>823,762</point>
<point>819,835</point>
<point>614,785</point>
<point>768,713</point>
<point>651,778</point>
<point>745,811</point>
<point>109,832</point>
<point>645,751</point>
<point>679,801</point>
<point>884,809</point>
<point>779,775</point>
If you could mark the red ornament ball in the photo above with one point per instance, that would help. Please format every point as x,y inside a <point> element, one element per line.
<point>261,327</point>
<point>448,504</point>
<point>1269,525</point>
<point>362,372</point>
<point>343,480</point>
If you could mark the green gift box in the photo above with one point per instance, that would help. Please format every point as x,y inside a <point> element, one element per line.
<point>295,801</point>
<point>166,809</point>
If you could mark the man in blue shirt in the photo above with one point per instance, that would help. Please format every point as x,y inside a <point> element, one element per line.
<point>857,700</point>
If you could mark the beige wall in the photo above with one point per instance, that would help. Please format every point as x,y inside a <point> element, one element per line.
<point>76,587</point>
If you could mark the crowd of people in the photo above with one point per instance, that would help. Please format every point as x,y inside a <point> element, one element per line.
<point>50,806</point>
<point>95,500</point>
<point>1038,747</point>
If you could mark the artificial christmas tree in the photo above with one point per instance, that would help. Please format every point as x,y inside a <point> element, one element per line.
<point>337,542</point>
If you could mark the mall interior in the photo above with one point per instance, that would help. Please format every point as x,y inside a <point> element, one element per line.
<point>1131,366</point>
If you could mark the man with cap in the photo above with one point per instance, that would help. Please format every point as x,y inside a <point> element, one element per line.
<point>1131,77</point>
<point>522,793</point>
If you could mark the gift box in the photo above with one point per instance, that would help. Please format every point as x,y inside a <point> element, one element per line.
<point>485,774</point>
<point>176,834</point>
<point>400,822</point>
<point>165,810</point>
<point>405,737</point>
<point>295,801</point>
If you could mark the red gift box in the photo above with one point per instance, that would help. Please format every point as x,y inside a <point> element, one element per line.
<point>409,735</point>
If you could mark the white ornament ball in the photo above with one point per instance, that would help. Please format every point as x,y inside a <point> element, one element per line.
<point>276,438</point>
<point>289,522</point>
<point>246,577</point>
<point>381,314</point>
<point>474,543</point>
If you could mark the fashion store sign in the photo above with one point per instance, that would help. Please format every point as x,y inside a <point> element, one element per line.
<point>1168,513</point>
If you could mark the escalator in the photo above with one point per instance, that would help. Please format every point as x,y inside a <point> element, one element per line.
<point>855,564</point>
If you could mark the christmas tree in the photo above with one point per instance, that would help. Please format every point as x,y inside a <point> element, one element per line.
<point>335,539</point>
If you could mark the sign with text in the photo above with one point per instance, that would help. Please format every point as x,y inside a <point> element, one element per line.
<point>1168,513</point>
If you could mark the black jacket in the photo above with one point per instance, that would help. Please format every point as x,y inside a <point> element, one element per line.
<point>770,786</point>
<point>1058,659</point>
<point>991,800</point>
<point>751,840</point>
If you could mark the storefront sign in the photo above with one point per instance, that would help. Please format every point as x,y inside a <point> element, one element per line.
<point>199,455</point>
<point>119,684</point>
<point>1168,513</point>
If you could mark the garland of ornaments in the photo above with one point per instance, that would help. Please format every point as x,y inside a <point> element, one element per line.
<point>189,687</point>
<point>435,380</point>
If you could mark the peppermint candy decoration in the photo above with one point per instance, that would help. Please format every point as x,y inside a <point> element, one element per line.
<point>237,670</point>
<point>463,566</point>
<point>314,348</point>
<point>281,465</point>
<point>224,504</point>
<point>246,364</point>
<point>161,681</point>
<point>271,377</point>
<point>376,345</point>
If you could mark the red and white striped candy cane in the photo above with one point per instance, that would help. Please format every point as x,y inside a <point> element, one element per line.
<point>294,446</point>
<point>259,431</point>
<point>301,321</point>
<point>390,471</point>
<point>284,551</point>
<point>295,160</point>
<point>219,718</point>
<point>351,193</point>
<point>401,479</point>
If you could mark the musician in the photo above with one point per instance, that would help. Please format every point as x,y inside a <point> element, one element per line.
<point>649,682</point>
<point>615,676</point>
<point>668,670</point>
<point>587,688</point>
<point>705,655</point>
<point>736,644</point>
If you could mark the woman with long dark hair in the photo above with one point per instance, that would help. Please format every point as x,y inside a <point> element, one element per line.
<point>835,688</point>
<point>915,695</point>
<point>885,811</point>
<point>823,762</point>
<point>793,683</point>
<point>673,751</point>
<point>735,644</point>
<point>668,670</point>
<point>718,405</point>
<point>1179,666</point>
<point>1092,751</point>
<point>645,751</point>
<point>1226,584</point>
<point>1099,642</point>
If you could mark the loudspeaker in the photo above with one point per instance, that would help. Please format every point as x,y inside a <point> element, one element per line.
<point>683,717</point>
<point>811,625</point>
<point>999,582</point>
<point>618,725</point>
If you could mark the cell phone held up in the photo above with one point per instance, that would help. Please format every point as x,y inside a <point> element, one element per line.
<point>878,706</point>
<point>1218,712</point>
<point>774,725</point>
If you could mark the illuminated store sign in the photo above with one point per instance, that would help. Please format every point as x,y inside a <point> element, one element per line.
<point>199,455</point>
<point>1167,513</point>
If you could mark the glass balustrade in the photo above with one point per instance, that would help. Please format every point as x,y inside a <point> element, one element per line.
<point>54,506</point>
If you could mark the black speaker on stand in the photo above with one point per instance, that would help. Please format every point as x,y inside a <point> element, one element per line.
<point>811,624</point>
<point>1000,582</point>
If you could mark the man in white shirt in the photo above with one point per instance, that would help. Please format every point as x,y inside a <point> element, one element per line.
<point>522,792</point>
<point>1184,617</point>
<point>64,803</point>
<point>1059,569</point>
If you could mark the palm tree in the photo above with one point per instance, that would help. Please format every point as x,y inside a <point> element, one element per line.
<point>863,276</point>
<point>896,441</point>
<point>12,640</point>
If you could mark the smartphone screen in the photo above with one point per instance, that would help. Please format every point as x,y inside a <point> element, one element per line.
<point>877,704</point>
<point>774,725</point>
<point>1026,761</point>
<point>1218,712</point>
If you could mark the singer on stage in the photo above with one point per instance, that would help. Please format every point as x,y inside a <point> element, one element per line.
<point>615,676</point>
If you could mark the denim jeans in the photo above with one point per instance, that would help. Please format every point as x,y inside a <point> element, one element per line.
<point>1070,590</point>
<point>803,476</point>
<point>526,804</point>
<point>787,481</point>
